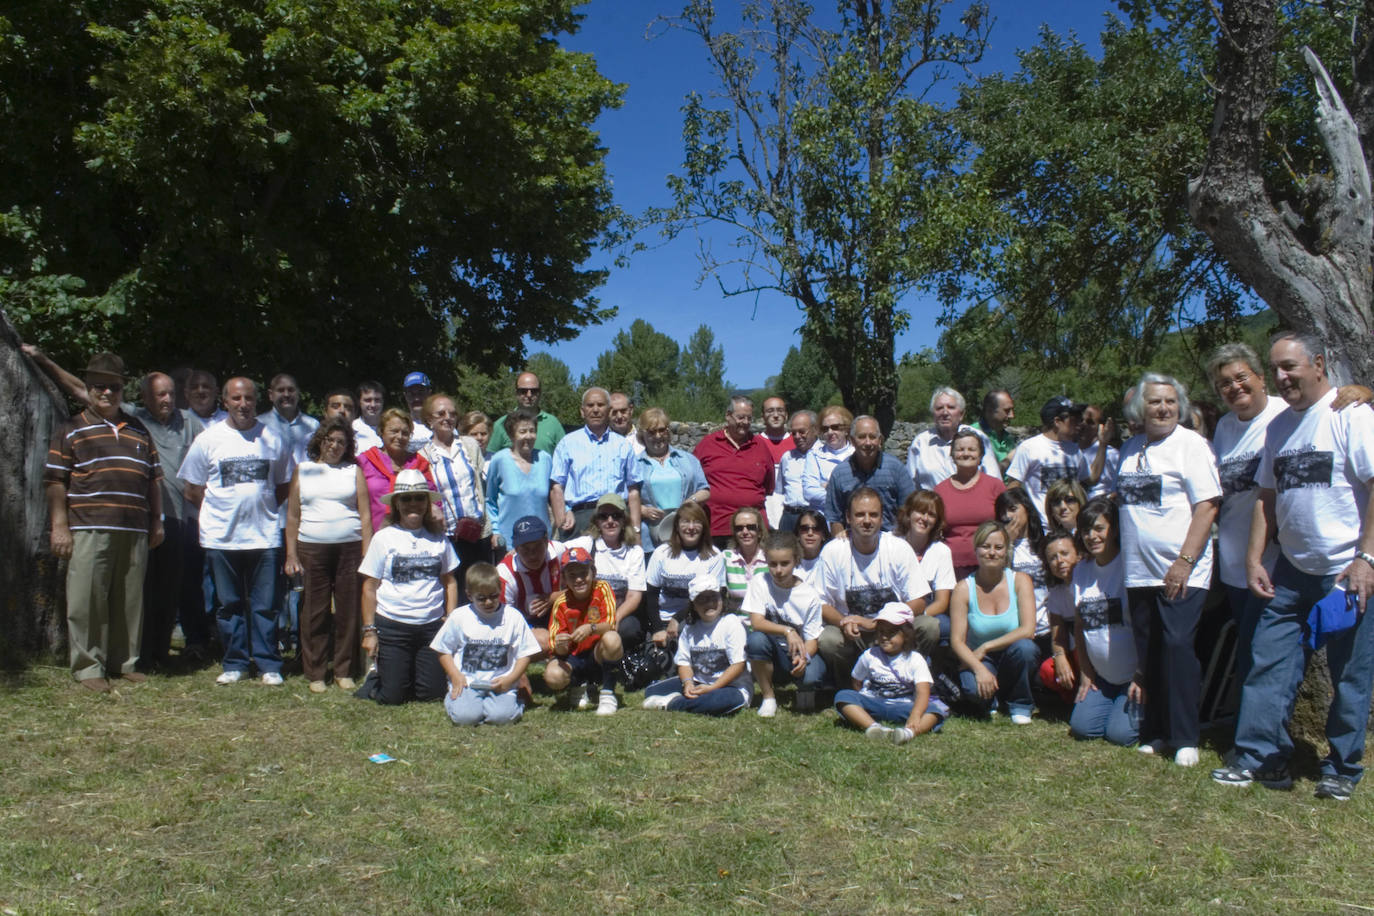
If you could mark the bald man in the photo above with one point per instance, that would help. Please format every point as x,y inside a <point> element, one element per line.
<point>547,432</point>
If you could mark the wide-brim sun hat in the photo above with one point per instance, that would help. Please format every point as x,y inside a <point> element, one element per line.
<point>410,481</point>
<point>663,528</point>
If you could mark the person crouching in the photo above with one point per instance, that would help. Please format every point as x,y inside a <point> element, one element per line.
<point>582,633</point>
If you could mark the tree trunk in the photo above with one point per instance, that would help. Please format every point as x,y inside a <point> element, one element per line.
<point>33,620</point>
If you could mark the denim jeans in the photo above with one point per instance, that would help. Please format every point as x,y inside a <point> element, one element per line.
<point>1279,660</point>
<point>895,710</point>
<point>1013,667</point>
<point>720,702</point>
<point>475,707</point>
<point>1245,611</point>
<point>246,585</point>
<point>765,647</point>
<point>1106,713</point>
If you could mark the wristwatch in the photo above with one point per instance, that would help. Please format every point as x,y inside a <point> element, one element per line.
<point>1190,560</point>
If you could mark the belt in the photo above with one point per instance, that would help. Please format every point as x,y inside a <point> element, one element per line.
<point>586,504</point>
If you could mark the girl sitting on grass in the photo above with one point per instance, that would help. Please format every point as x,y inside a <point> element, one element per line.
<point>712,679</point>
<point>785,614</point>
<point>892,683</point>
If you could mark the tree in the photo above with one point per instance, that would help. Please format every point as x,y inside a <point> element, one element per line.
<point>641,363</point>
<point>806,379</point>
<point>335,186</point>
<point>701,369</point>
<point>1303,244</point>
<point>831,167</point>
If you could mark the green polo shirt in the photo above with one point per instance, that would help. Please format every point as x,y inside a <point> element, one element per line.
<point>1002,443</point>
<point>547,433</point>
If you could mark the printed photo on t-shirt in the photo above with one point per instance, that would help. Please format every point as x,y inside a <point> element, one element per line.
<point>1238,474</point>
<point>709,664</point>
<point>675,586</point>
<point>233,471</point>
<point>1050,473</point>
<point>1141,489</point>
<point>1098,612</point>
<point>483,656</point>
<point>882,684</point>
<point>1306,468</point>
<point>868,600</point>
<point>414,568</point>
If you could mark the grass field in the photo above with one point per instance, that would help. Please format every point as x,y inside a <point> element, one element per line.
<point>178,795</point>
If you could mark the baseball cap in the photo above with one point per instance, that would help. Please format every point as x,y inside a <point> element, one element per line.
<point>1058,405</point>
<point>529,528</point>
<point>574,555</point>
<point>701,584</point>
<point>417,378</point>
<point>895,613</point>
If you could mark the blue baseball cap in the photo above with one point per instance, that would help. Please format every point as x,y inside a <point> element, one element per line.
<point>527,529</point>
<point>417,378</point>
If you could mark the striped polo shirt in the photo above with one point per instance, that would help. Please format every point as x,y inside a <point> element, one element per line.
<point>106,468</point>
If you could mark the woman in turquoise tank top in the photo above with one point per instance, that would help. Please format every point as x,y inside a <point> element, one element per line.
<point>991,629</point>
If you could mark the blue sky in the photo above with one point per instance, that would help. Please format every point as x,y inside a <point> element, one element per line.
<point>644,144</point>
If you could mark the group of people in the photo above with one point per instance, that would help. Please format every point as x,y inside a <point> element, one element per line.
<point>981,575</point>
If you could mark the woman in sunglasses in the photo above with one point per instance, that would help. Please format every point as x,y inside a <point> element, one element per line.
<point>745,556</point>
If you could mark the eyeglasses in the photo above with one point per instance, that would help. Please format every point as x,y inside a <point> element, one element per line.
<point>103,386</point>
<point>1227,384</point>
<point>834,427</point>
<point>747,527</point>
<point>527,391</point>
<point>808,529</point>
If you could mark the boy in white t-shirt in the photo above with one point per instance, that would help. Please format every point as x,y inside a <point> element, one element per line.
<point>484,648</point>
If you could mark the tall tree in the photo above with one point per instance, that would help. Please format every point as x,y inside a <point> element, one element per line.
<point>1304,244</point>
<point>332,186</point>
<point>806,379</point>
<point>642,362</point>
<point>702,372</point>
<point>820,150</point>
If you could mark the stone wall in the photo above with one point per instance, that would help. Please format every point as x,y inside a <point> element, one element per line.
<point>687,435</point>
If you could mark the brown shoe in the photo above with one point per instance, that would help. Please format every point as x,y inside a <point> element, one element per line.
<point>95,684</point>
<point>135,677</point>
<point>318,687</point>
<point>346,683</point>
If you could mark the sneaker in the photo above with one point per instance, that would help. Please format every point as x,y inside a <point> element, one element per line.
<point>134,677</point>
<point>902,735</point>
<point>659,701</point>
<point>583,701</point>
<point>606,704</point>
<point>318,687</point>
<point>271,679</point>
<point>768,708</point>
<point>1151,747</point>
<point>1336,788</point>
<point>1020,718</point>
<point>878,732</point>
<point>1186,757</point>
<point>229,677</point>
<point>345,683</point>
<point>1233,775</point>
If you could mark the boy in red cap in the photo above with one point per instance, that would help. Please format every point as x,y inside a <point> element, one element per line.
<point>584,642</point>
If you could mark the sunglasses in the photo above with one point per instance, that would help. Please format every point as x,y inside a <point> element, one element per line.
<point>609,516</point>
<point>809,529</point>
<point>103,386</point>
<point>527,391</point>
<point>746,527</point>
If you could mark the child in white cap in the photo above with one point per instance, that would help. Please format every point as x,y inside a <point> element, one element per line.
<point>892,683</point>
<point>713,678</point>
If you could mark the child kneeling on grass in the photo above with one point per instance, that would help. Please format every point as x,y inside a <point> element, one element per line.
<point>785,614</point>
<point>484,648</point>
<point>585,644</point>
<point>712,677</point>
<point>892,683</point>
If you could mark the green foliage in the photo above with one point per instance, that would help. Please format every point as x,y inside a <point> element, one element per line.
<point>836,175</point>
<point>918,375</point>
<point>494,393</point>
<point>334,186</point>
<point>689,383</point>
<point>702,374</point>
<point>806,379</point>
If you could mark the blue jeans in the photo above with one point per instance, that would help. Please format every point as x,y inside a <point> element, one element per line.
<point>765,647</point>
<point>1245,611</point>
<point>720,702</point>
<point>1279,660</point>
<point>1106,713</point>
<point>1013,667</point>
<point>475,707</point>
<point>895,710</point>
<point>246,585</point>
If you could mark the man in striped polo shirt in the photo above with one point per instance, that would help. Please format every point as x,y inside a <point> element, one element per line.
<point>102,480</point>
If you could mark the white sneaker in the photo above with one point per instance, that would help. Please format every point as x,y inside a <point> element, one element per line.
<point>583,701</point>
<point>660,701</point>
<point>271,679</point>
<point>606,704</point>
<point>902,735</point>
<point>1186,756</point>
<point>878,732</point>
<point>1020,718</point>
<point>229,677</point>
<point>768,708</point>
<point>1151,747</point>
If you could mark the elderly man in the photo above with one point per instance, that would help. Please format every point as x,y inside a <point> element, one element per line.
<point>102,481</point>
<point>164,598</point>
<point>857,575</point>
<point>588,464</point>
<point>998,410</point>
<point>803,431</point>
<point>868,467</point>
<point>1054,455</point>
<point>239,472</point>
<point>928,460</point>
<point>1316,480</point>
<point>738,467</point>
<point>547,432</point>
<point>622,420</point>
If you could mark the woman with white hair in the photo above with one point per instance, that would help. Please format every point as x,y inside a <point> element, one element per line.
<point>1168,490</point>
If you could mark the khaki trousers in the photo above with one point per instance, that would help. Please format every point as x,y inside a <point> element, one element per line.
<point>105,601</point>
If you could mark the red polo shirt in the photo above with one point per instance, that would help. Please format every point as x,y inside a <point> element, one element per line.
<point>738,476</point>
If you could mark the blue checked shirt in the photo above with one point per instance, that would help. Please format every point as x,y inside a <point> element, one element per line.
<point>587,467</point>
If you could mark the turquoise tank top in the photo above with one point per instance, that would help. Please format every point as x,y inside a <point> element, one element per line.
<point>983,627</point>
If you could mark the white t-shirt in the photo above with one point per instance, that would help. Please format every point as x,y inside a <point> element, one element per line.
<point>937,565</point>
<point>928,460</point>
<point>857,583</point>
<point>1040,461</point>
<point>672,574</point>
<point>365,437</point>
<point>519,585</point>
<point>1319,463</point>
<point>1238,444</point>
<point>329,503</point>
<point>485,646</point>
<point>1099,603</point>
<point>1106,484</point>
<point>888,678</point>
<point>240,470</point>
<point>798,607</point>
<point>419,436</point>
<point>407,564</point>
<point>622,568</point>
<point>1024,559</point>
<point>710,648</point>
<point>1157,485</point>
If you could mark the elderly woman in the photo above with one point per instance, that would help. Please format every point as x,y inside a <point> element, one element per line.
<point>670,476</point>
<point>458,470</point>
<point>969,497</point>
<point>518,477</point>
<point>1168,490</point>
<point>380,465</point>
<point>992,620</point>
<point>326,523</point>
<point>834,446</point>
